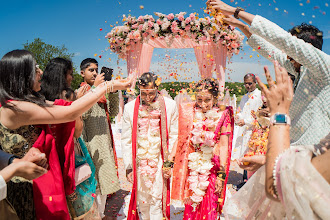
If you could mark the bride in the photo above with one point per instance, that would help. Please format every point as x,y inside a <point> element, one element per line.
<point>203,153</point>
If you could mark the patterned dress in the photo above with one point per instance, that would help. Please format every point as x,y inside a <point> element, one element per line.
<point>97,136</point>
<point>19,190</point>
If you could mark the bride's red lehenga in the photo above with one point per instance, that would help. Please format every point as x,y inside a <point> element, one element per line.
<point>212,203</point>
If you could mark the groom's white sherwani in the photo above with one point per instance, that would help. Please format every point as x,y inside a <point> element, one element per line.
<point>149,199</point>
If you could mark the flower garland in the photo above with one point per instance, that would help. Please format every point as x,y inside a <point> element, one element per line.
<point>149,142</point>
<point>199,162</point>
<point>172,26</point>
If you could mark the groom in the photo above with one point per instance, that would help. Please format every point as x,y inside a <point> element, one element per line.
<point>150,131</point>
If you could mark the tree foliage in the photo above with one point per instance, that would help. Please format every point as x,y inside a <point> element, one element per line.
<point>44,52</point>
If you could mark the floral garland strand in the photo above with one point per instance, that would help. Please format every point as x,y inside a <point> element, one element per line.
<point>148,142</point>
<point>169,27</point>
<point>199,162</point>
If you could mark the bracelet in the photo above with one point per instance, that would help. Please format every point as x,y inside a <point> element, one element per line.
<point>109,86</point>
<point>275,195</point>
<point>221,175</point>
<point>237,11</point>
<point>168,164</point>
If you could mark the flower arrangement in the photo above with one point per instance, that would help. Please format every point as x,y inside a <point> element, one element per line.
<point>148,142</point>
<point>169,27</point>
<point>259,137</point>
<point>199,162</point>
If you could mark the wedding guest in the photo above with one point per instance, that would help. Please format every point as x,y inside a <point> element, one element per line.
<point>299,51</point>
<point>97,133</point>
<point>203,154</point>
<point>55,85</point>
<point>24,120</point>
<point>250,102</point>
<point>150,132</point>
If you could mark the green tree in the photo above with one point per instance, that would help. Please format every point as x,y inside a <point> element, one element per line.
<point>44,52</point>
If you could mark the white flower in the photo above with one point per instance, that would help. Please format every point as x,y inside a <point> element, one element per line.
<point>203,185</point>
<point>156,28</point>
<point>206,149</point>
<point>195,156</point>
<point>199,192</point>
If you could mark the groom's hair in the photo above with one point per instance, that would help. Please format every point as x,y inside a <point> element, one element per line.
<point>148,78</point>
<point>309,34</point>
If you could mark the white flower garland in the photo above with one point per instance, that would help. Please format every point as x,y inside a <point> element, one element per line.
<point>149,142</point>
<point>199,162</point>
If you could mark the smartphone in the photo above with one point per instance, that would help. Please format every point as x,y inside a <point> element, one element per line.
<point>107,73</point>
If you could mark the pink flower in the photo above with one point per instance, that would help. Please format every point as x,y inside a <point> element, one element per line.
<point>187,21</point>
<point>227,37</point>
<point>150,24</point>
<point>233,37</point>
<point>196,140</point>
<point>192,16</point>
<point>143,163</point>
<point>135,26</point>
<point>140,18</point>
<point>170,16</point>
<point>187,28</point>
<point>154,122</point>
<point>143,121</point>
<point>180,17</point>
<point>155,113</point>
<point>140,27</point>
<point>209,142</point>
<point>145,34</point>
<point>234,45</point>
<point>159,22</point>
<point>209,135</point>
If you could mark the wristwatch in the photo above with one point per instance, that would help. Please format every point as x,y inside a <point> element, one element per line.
<point>11,159</point>
<point>280,119</point>
<point>238,9</point>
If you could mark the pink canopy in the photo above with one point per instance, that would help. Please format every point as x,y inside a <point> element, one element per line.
<point>211,57</point>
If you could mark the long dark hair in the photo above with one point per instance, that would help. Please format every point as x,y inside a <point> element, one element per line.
<point>53,80</point>
<point>17,77</point>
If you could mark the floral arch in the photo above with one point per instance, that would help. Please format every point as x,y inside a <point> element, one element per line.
<point>212,41</point>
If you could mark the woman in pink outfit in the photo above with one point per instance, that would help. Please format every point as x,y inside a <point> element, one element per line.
<point>203,154</point>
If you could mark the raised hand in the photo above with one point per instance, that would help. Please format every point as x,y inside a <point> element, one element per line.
<point>35,156</point>
<point>99,79</point>
<point>280,94</point>
<point>221,6</point>
<point>121,84</point>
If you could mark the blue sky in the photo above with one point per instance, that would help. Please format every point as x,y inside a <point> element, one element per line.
<point>77,23</point>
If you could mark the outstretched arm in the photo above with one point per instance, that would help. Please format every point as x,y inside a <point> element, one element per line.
<point>31,114</point>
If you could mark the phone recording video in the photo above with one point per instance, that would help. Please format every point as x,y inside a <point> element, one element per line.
<point>107,73</point>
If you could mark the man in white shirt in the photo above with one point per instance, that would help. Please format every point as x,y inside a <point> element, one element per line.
<point>251,101</point>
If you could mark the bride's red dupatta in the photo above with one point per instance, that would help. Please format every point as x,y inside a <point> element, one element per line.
<point>132,211</point>
<point>49,191</point>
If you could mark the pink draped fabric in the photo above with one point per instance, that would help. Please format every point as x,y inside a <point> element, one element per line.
<point>211,57</point>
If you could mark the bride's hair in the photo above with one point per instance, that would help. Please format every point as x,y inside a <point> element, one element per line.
<point>209,84</point>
